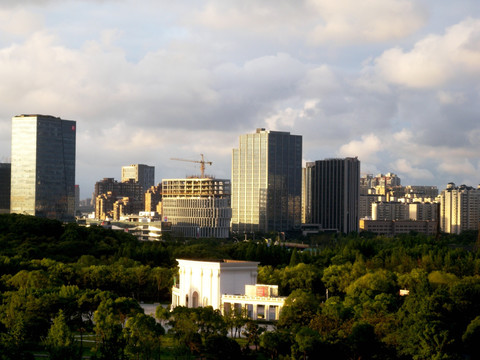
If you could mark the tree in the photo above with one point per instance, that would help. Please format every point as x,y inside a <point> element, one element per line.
<point>60,342</point>
<point>142,336</point>
<point>298,310</point>
<point>363,341</point>
<point>471,338</point>
<point>276,343</point>
<point>185,331</point>
<point>222,347</point>
<point>252,332</point>
<point>308,341</point>
<point>108,330</point>
<point>209,321</point>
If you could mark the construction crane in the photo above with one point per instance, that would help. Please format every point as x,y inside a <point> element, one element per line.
<point>201,162</point>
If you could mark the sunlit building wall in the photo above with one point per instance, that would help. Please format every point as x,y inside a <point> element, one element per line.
<point>43,166</point>
<point>197,207</point>
<point>141,173</point>
<point>267,182</point>
<point>459,208</point>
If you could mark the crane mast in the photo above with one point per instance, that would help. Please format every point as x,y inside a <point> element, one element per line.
<point>201,162</point>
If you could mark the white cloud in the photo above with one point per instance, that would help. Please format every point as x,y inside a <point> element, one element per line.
<point>365,149</point>
<point>19,22</point>
<point>318,22</point>
<point>436,59</point>
<point>350,21</point>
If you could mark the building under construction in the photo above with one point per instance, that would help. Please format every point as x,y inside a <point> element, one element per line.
<point>197,207</point>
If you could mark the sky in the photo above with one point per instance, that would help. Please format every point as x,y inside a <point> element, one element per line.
<point>394,82</point>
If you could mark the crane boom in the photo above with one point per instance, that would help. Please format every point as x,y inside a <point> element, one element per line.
<point>201,162</point>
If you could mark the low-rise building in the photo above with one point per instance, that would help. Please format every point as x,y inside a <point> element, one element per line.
<point>396,227</point>
<point>225,285</point>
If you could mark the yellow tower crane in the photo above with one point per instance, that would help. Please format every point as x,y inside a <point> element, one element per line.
<point>201,162</point>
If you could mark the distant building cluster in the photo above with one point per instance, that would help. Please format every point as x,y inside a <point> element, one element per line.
<point>269,191</point>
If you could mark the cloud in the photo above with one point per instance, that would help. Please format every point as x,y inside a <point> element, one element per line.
<point>317,22</point>
<point>350,21</point>
<point>436,60</point>
<point>457,166</point>
<point>365,149</point>
<point>19,22</point>
<point>403,166</point>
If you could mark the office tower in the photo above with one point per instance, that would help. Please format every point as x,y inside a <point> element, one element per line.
<point>335,193</point>
<point>197,207</point>
<point>5,175</point>
<point>143,174</point>
<point>43,166</point>
<point>267,182</point>
<point>459,208</point>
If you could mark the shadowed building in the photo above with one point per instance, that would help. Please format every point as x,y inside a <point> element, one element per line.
<point>43,167</point>
<point>335,193</point>
<point>5,175</point>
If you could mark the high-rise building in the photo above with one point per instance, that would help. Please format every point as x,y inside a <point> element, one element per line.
<point>335,193</point>
<point>153,198</point>
<point>307,194</point>
<point>43,166</point>
<point>267,182</point>
<point>197,207</point>
<point>459,208</point>
<point>5,175</point>
<point>143,174</point>
<point>108,190</point>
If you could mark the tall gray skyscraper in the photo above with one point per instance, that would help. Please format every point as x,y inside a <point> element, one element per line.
<point>267,182</point>
<point>143,174</point>
<point>43,167</point>
<point>335,188</point>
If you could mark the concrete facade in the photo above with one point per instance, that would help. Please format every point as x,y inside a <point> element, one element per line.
<point>459,208</point>
<point>225,285</point>
<point>197,207</point>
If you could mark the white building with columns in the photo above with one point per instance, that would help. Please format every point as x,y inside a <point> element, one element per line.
<point>225,285</point>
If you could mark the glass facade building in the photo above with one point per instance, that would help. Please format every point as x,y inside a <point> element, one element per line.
<point>335,193</point>
<point>267,182</point>
<point>43,167</point>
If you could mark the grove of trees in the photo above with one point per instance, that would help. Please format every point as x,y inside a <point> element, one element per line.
<point>61,284</point>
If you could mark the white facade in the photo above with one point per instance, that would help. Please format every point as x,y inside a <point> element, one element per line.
<point>225,285</point>
<point>459,208</point>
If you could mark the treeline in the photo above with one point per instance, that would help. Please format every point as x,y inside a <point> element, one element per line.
<point>345,300</point>
<point>343,293</point>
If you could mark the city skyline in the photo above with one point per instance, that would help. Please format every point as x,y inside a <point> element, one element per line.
<point>394,83</point>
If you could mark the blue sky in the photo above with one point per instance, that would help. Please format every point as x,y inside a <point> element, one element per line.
<point>394,82</point>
